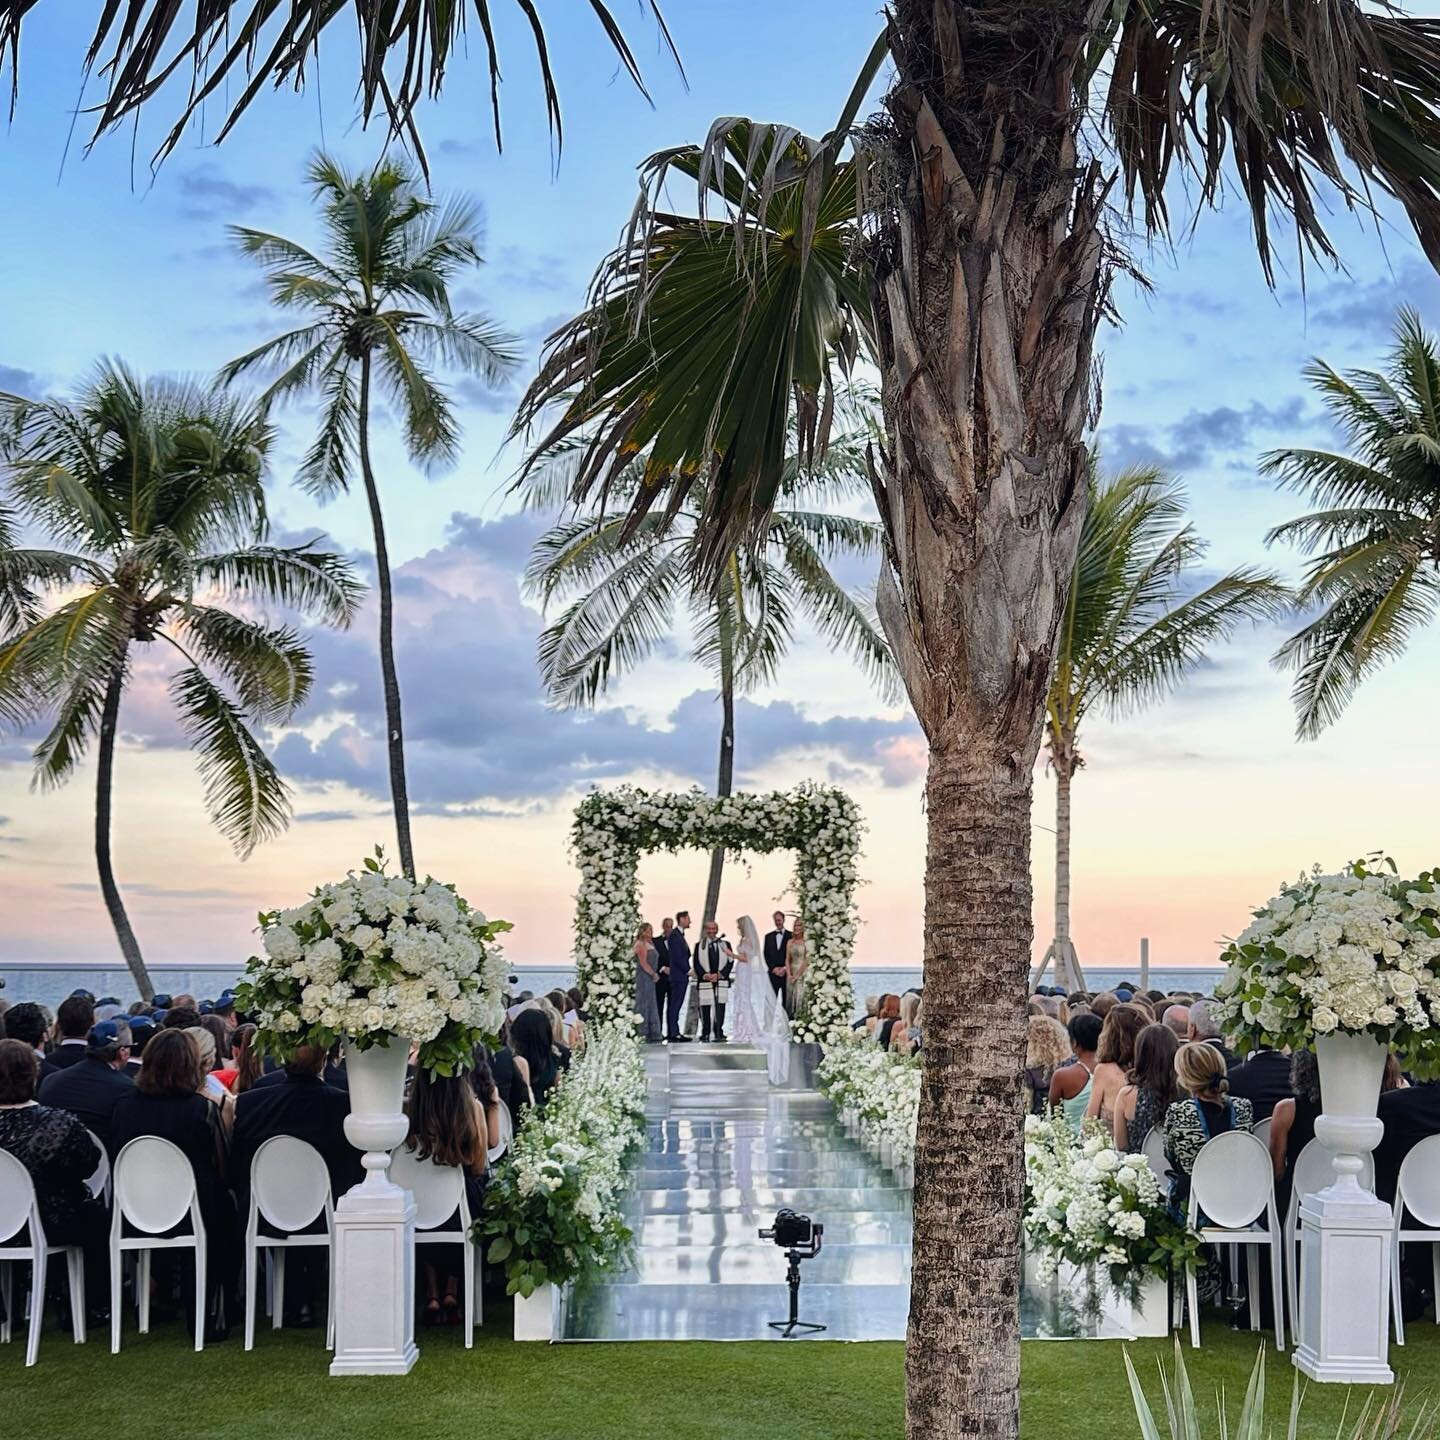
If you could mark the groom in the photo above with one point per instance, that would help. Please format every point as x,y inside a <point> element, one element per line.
<point>775,945</point>
<point>677,952</point>
<point>713,961</point>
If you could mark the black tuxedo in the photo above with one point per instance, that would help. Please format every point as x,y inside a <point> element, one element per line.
<point>1263,1080</point>
<point>89,1091</point>
<point>677,957</point>
<point>776,943</point>
<point>306,1108</point>
<point>66,1054</point>
<point>1410,1115</point>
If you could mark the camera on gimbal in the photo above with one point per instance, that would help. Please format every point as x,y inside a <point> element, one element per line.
<point>793,1231</point>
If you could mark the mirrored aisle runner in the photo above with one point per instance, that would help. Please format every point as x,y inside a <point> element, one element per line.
<point>724,1151</point>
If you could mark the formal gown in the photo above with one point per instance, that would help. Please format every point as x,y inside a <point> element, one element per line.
<point>646,1002</point>
<point>797,963</point>
<point>746,1018</point>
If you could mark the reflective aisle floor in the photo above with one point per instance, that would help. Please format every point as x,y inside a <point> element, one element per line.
<point>724,1152</point>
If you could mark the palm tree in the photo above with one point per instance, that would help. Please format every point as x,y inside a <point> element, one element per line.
<point>403,58</point>
<point>154,489</point>
<point>1128,639</point>
<point>1375,543</point>
<point>376,308</point>
<point>627,586</point>
<point>963,239</point>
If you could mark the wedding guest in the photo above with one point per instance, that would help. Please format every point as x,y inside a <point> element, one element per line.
<point>888,1009</point>
<point>1176,1017</point>
<point>1116,1056</point>
<point>899,1029</point>
<point>1206,1110</point>
<point>505,1068</point>
<point>872,1006</point>
<point>204,1043</point>
<point>219,1032</point>
<point>537,1064</point>
<point>487,1096</point>
<point>797,970</point>
<point>677,958</point>
<point>662,968</point>
<point>167,1101</point>
<point>1047,1048</point>
<point>1071,1085</point>
<point>1205,1029</point>
<point>244,1068</point>
<point>73,1022</point>
<point>1103,1003</point>
<point>776,943</point>
<point>180,1017</point>
<point>447,1127</point>
<point>28,1024</point>
<point>1263,1079</point>
<point>1292,1122</point>
<point>185,1002</point>
<point>1152,1088</point>
<point>142,1027</point>
<point>89,1091</point>
<point>647,975</point>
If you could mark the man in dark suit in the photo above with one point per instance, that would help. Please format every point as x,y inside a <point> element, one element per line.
<point>775,945</point>
<point>1410,1115</point>
<point>662,970</point>
<point>1263,1080</point>
<point>678,953</point>
<point>90,1089</point>
<point>1205,1029</point>
<point>73,1021</point>
<point>28,1023</point>
<point>301,1104</point>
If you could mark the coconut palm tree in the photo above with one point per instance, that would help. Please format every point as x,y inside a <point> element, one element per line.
<point>964,240</point>
<point>153,491</point>
<point>1130,635</point>
<point>377,314</point>
<point>627,587</point>
<point>1375,541</point>
<point>403,56</point>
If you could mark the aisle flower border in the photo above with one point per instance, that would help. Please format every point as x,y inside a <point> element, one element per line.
<point>878,1086</point>
<point>552,1210</point>
<point>613,828</point>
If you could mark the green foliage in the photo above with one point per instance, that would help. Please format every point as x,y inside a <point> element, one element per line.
<point>1374,541</point>
<point>158,487</point>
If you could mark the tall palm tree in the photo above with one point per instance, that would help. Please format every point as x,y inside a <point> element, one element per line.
<point>155,491</point>
<point>626,588</point>
<point>1375,543</point>
<point>1128,639</point>
<point>963,238</point>
<point>377,313</point>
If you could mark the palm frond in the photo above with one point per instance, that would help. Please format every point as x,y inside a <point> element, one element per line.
<point>77,722</point>
<point>467,343</point>
<point>304,578</point>
<point>573,553</point>
<point>269,669</point>
<point>39,666</point>
<point>244,793</point>
<point>329,463</point>
<point>26,573</point>
<point>431,435</point>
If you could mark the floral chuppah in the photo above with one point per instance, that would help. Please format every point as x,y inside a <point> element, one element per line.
<point>613,827</point>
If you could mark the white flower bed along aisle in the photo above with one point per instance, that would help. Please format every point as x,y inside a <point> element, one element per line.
<point>552,1211</point>
<point>614,827</point>
<point>877,1095</point>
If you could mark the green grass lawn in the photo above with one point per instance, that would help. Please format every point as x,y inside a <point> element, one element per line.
<point>806,1390</point>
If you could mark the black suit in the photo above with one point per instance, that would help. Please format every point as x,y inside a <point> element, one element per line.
<point>1263,1080</point>
<point>66,1054</point>
<point>776,943</point>
<point>1410,1115</point>
<point>677,955</point>
<point>302,1106</point>
<point>89,1092</point>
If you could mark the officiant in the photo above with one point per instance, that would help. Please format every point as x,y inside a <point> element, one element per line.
<point>712,963</point>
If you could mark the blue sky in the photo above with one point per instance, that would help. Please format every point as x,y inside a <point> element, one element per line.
<point>1184,816</point>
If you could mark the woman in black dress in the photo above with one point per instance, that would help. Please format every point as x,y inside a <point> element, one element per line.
<point>536,1060</point>
<point>167,1102</point>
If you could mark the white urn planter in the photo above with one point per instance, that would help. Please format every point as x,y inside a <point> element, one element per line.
<point>1150,1309</point>
<point>1345,1231</point>
<point>374,1247</point>
<point>536,1314</point>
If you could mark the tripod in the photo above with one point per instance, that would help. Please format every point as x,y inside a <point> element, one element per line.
<point>793,1323</point>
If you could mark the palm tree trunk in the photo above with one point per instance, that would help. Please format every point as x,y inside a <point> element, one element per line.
<point>1063,760</point>
<point>724,783</point>
<point>989,275</point>
<point>104,784</point>
<point>394,731</point>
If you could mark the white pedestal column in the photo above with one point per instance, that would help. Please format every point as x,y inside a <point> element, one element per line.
<point>374,1259</point>
<point>1345,1266</point>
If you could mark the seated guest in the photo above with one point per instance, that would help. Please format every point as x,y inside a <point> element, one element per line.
<point>1292,1123</point>
<point>73,1022</point>
<point>505,1072</point>
<point>1411,1114</point>
<point>1103,1003</point>
<point>1177,1016</point>
<point>204,1043</point>
<point>90,1090</point>
<point>558,1034</point>
<point>1047,1047</point>
<point>537,1064</point>
<point>304,1106</point>
<point>219,1032</point>
<point>1205,1029</point>
<point>167,1101</point>
<point>53,1146</point>
<point>447,1126</point>
<point>142,1027</point>
<point>1263,1078</point>
<point>909,1009</point>
<point>889,1010</point>
<point>872,1004</point>
<point>1205,1111</point>
<point>244,1068</point>
<point>185,1002</point>
<point>180,1017</point>
<point>1115,1059</point>
<point>1143,1103</point>
<point>1070,1086</point>
<point>28,1024</point>
<point>487,1096</point>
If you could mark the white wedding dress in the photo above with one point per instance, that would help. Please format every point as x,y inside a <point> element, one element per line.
<point>746,1022</point>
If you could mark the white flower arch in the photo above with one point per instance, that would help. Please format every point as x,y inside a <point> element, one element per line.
<point>614,827</point>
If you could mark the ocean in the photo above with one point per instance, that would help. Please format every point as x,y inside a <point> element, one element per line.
<point>49,983</point>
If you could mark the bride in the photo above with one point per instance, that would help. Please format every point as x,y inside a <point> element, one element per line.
<point>747,1005</point>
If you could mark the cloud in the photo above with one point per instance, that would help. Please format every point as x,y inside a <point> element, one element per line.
<point>1201,438</point>
<point>1366,309</point>
<point>20,382</point>
<point>207,194</point>
<point>151,892</point>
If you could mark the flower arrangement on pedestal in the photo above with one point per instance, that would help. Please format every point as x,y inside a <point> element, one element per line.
<point>1090,1204</point>
<point>880,1087</point>
<point>552,1210</point>
<point>374,956</point>
<point>613,828</point>
<point>1356,953</point>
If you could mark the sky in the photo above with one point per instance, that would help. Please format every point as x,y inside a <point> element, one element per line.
<point>1186,816</point>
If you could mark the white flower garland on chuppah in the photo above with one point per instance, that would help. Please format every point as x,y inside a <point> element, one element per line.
<point>612,828</point>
